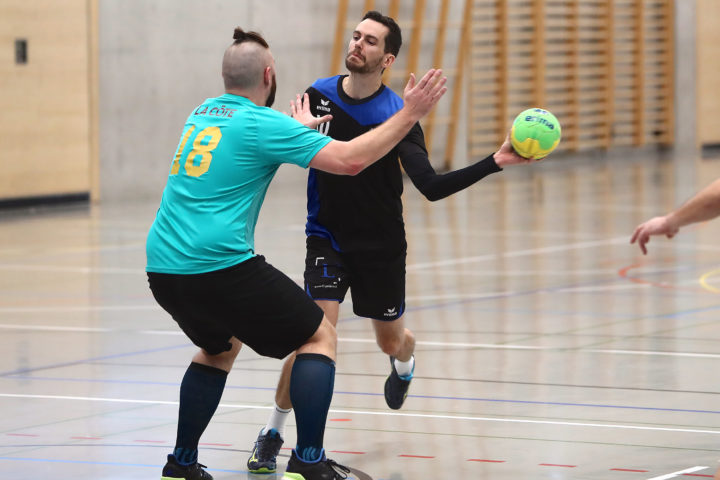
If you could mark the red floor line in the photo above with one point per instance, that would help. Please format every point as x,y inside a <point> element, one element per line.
<point>341,420</point>
<point>86,438</point>
<point>149,441</point>
<point>21,435</point>
<point>344,451</point>
<point>628,470</point>
<point>623,272</point>
<point>484,460</point>
<point>415,456</point>
<point>556,465</point>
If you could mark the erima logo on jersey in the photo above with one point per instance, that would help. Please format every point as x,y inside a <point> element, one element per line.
<point>390,312</point>
<point>323,105</point>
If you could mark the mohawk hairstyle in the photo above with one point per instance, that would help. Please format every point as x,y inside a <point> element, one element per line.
<point>242,36</point>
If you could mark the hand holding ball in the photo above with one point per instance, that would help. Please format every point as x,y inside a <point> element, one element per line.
<point>535,133</point>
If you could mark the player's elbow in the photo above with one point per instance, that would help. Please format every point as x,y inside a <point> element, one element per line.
<point>337,158</point>
<point>353,167</point>
<point>433,194</point>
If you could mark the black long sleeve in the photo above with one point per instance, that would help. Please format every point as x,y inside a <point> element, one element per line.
<point>414,158</point>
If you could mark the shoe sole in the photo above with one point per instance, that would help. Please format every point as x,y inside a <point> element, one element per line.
<point>292,476</point>
<point>263,470</point>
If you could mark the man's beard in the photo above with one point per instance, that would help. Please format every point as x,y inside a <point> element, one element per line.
<point>366,68</point>
<point>271,96</point>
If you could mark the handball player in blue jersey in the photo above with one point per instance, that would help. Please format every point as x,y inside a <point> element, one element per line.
<point>355,230</point>
<point>202,264</point>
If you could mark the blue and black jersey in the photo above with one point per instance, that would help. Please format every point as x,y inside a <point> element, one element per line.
<point>364,212</point>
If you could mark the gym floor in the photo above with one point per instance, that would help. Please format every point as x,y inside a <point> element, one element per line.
<point>548,346</point>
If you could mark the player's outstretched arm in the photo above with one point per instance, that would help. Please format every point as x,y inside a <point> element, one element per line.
<point>705,205</point>
<point>654,226</point>
<point>350,158</point>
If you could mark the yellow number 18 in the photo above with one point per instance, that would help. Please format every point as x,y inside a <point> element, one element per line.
<point>205,142</point>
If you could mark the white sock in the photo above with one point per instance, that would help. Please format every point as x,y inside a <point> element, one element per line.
<point>277,420</point>
<point>405,369</point>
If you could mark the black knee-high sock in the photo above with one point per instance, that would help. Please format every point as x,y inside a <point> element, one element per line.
<point>200,392</point>
<point>311,388</point>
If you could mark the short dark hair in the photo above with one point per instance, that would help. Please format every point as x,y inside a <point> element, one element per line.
<point>393,40</point>
<point>241,36</point>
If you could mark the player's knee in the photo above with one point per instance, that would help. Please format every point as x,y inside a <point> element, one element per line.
<point>325,334</point>
<point>390,345</point>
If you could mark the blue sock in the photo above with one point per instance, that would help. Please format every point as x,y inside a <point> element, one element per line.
<point>311,388</point>
<point>200,392</point>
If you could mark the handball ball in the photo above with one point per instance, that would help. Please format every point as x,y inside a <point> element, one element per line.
<point>535,133</point>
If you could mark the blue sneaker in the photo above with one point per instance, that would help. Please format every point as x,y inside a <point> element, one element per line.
<point>264,455</point>
<point>396,387</point>
<point>175,471</point>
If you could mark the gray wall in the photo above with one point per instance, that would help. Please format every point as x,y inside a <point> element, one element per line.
<point>161,58</point>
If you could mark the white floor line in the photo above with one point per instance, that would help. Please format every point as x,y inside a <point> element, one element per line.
<point>495,346</point>
<point>79,308</point>
<point>518,253</point>
<point>677,474</point>
<point>380,413</point>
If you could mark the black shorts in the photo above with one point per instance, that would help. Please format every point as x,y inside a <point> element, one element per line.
<point>252,301</point>
<point>376,279</point>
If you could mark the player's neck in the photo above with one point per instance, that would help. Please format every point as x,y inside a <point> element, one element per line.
<point>252,95</point>
<point>359,85</point>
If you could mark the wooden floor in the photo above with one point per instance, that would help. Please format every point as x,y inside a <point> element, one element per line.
<point>548,347</point>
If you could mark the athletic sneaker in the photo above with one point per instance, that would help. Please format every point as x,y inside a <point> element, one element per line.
<point>264,455</point>
<point>323,469</point>
<point>396,387</point>
<point>174,471</point>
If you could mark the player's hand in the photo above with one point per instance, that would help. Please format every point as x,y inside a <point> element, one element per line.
<point>507,155</point>
<point>300,111</point>
<point>420,97</point>
<point>654,226</point>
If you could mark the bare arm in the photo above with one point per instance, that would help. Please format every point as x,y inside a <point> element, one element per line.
<point>350,158</point>
<point>705,205</point>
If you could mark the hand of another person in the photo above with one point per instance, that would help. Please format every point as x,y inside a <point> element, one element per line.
<point>654,226</point>
<point>507,155</point>
<point>300,111</point>
<point>420,97</point>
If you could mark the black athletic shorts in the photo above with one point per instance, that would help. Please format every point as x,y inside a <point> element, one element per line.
<point>376,279</point>
<point>252,301</point>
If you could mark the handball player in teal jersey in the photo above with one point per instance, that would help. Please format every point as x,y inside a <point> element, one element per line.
<point>202,264</point>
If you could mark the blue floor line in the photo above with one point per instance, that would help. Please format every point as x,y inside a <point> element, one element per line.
<point>429,397</point>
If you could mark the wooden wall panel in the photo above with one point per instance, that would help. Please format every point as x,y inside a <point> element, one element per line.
<point>603,67</point>
<point>708,72</point>
<point>45,125</point>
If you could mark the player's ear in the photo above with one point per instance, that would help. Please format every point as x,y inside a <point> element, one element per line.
<point>388,60</point>
<point>267,76</point>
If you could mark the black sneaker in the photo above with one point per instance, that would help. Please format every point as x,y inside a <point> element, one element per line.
<point>323,469</point>
<point>264,455</point>
<point>174,471</point>
<point>396,387</point>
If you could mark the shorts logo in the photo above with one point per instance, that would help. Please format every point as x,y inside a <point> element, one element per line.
<point>390,312</point>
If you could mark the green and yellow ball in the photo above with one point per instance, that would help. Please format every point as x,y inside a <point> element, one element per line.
<point>535,133</point>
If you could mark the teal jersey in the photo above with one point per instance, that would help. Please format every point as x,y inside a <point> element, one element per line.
<point>229,152</point>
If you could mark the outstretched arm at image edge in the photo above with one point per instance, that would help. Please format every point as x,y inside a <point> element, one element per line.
<point>705,205</point>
